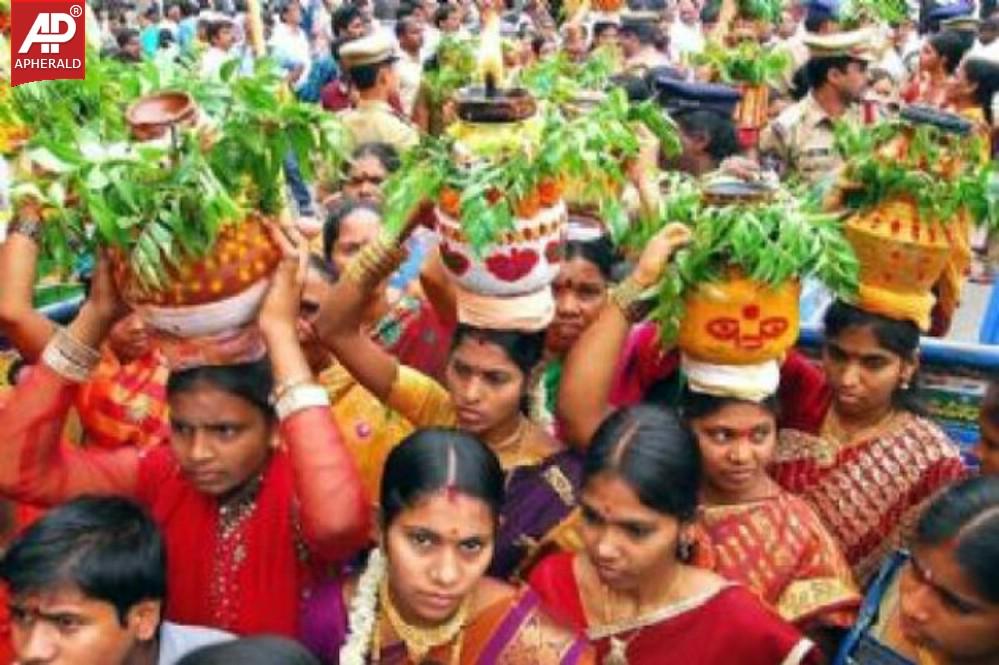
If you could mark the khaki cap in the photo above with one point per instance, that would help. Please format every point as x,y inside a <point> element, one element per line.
<point>961,24</point>
<point>372,49</point>
<point>856,44</point>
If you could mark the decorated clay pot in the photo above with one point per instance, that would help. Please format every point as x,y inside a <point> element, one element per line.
<point>739,321</point>
<point>152,116</point>
<point>525,260</point>
<point>901,259</point>
<point>207,296</point>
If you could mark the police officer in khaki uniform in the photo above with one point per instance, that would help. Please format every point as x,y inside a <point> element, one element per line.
<point>369,62</point>
<point>801,139</point>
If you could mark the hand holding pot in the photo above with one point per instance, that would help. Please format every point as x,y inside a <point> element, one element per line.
<point>657,253</point>
<point>279,311</point>
<point>103,308</point>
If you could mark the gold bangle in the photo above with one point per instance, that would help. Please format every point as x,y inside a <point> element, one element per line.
<point>375,263</point>
<point>284,387</point>
<point>70,358</point>
<point>631,298</point>
<point>299,398</point>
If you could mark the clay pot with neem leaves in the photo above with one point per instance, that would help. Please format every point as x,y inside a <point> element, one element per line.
<point>152,117</point>
<point>526,258</point>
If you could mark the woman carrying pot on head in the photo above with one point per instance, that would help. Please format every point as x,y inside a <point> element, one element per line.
<point>632,589</point>
<point>486,385</point>
<point>123,402</point>
<point>872,461</point>
<point>268,494</point>
<point>423,596</point>
<point>405,324</point>
<point>753,532</point>
<point>619,360</point>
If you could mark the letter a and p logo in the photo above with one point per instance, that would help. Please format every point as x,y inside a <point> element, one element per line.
<point>48,40</point>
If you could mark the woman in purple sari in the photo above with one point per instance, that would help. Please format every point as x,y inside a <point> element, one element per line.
<point>486,383</point>
<point>423,596</point>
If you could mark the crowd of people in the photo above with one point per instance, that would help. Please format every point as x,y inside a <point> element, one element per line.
<point>392,483</point>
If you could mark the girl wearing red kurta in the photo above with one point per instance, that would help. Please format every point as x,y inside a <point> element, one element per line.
<point>252,503</point>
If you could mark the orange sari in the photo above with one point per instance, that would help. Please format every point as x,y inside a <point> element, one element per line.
<point>783,553</point>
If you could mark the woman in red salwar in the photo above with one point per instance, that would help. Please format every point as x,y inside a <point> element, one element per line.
<point>253,499</point>
<point>632,589</point>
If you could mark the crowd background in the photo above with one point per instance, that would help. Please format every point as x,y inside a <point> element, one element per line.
<point>394,483</point>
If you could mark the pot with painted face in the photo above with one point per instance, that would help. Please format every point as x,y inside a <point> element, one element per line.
<point>739,321</point>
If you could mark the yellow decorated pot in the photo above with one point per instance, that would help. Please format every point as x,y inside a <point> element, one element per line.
<point>900,259</point>
<point>739,321</point>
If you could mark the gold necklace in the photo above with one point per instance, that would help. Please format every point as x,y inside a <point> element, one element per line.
<point>509,449</point>
<point>618,653</point>
<point>833,428</point>
<point>421,641</point>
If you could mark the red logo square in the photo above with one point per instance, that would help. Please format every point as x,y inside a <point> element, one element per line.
<point>48,40</point>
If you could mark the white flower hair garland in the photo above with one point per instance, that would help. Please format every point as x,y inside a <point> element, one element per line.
<point>363,616</point>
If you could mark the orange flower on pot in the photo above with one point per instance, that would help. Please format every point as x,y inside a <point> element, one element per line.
<point>739,321</point>
<point>220,291</point>
<point>528,205</point>
<point>450,202</point>
<point>608,6</point>
<point>549,192</point>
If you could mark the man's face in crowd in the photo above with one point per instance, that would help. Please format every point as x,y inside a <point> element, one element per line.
<point>688,12</point>
<point>411,38</point>
<point>850,83</point>
<point>62,626</point>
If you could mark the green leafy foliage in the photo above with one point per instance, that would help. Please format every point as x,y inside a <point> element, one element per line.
<point>854,14</point>
<point>455,67</point>
<point>558,80</point>
<point>761,10</point>
<point>162,202</point>
<point>925,171</point>
<point>590,148</point>
<point>771,242</point>
<point>747,62</point>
